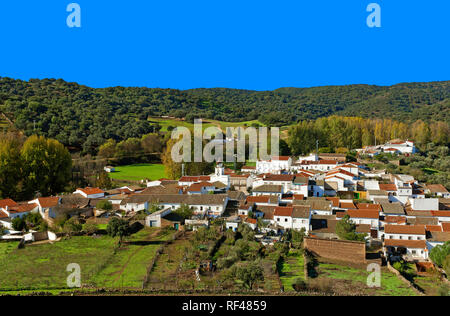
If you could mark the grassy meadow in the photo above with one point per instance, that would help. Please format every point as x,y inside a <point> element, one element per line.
<point>43,267</point>
<point>138,172</point>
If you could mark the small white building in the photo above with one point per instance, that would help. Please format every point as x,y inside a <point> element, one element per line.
<point>90,193</point>
<point>293,217</point>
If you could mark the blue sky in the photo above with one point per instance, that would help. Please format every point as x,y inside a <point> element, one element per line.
<point>246,44</point>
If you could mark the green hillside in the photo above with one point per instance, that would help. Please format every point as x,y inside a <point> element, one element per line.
<point>84,117</point>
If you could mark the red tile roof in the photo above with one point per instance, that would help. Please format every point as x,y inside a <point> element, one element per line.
<point>395,219</point>
<point>281,158</point>
<point>194,178</point>
<point>418,244</point>
<point>405,229</point>
<point>197,187</point>
<point>258,199</point>
<point>433,228</point>
<point>7,202</point>
<point>437,188</point>
<point>387,186</point>
<point>279,177</point>
<point>363,214</point>
<point>22,208</point>
<point>328,162</point>
<point>283,211</point>
<point>368,206</point>
<point>334,200</point>
<point>446,227</point>
<point>347,205</point>
<point>48,201</point>
<point>440,213</point>
<point>340,171</point>
<point>90,191</point>
<point>251,220</point>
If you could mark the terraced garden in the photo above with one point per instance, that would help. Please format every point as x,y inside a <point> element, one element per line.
<point>292,268</point>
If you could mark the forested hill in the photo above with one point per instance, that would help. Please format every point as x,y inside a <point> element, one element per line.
<point>86,117</point>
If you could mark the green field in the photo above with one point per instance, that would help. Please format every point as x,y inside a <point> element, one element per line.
<point>346,278</point>
<point>139,172</point>
<point>292,268</point>
<point>128,267</point>
<point>43,267</point>
<point>166,122</point>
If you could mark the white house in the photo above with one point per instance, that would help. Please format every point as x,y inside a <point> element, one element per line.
<point>268,190</point>
<point>211,205</point>
<point>109,169</point>
<point>46,205</point>
<point>90,193</point>
<point>402,147</point>
<point>438,190</point>
<point>405,232</point>
<point>275,165</point>
<point>424,204</point>
<point>293,217</point>
<point>416,249</point>
<point>361,216</point>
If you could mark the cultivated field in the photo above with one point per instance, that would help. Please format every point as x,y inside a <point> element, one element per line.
<point>43,267</point>
<point>138,172</point>
<point>292,268</point>
<point>353,280</point>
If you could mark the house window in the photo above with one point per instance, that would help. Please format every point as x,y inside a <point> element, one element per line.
<point>413,252</point>
<point>285,219</point>
<point>409,238</point>
<point>278,219</point>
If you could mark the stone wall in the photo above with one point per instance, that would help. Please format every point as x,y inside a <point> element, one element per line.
<point>341,250</point>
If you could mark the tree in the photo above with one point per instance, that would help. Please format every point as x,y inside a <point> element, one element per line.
<point>10,168</point>
<point>446,265</point>
<point>439,253</point>
<point>19,224</point>
<point>72,226</point>
<point>34,220</point>
<point>90,228</point>
<point>346,230</point>
<point>104,181</point>
<point>249,273</point>
<point>108,149</point>
<point>151,143</point>
<point>184,211</point>
<point>47,165</point>
<point>118,227</point>
<point>104,205</point>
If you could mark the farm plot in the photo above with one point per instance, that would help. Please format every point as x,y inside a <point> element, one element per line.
<point>169,265</point>
<point>43,267</point>
<point>350,280</point>
<point>128,267</point>
<point>292,268</point>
